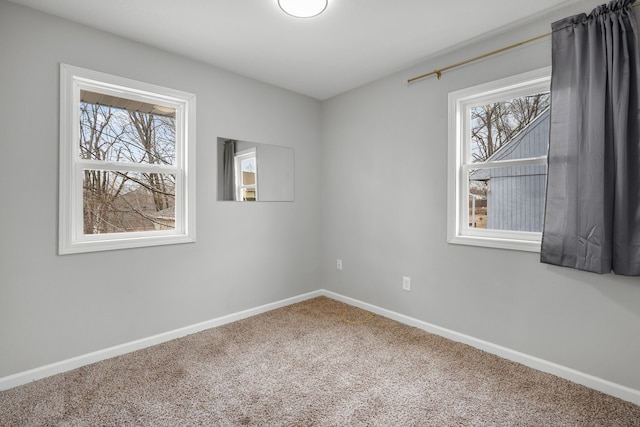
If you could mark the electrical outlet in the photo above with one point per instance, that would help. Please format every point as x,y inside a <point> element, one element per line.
<point>406,283</point>
<point>339,264</point>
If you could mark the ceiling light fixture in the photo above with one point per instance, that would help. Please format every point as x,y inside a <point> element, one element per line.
<point>303,8</point>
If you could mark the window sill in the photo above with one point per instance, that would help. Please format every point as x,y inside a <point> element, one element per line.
<point>497,243</point>
<point>106,245</point>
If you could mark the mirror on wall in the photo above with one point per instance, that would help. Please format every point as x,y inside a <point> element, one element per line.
<point>253,172</point>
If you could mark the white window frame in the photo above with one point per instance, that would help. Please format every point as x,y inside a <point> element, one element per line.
<point>71,234</point>
<point>460,104</point>
<point>239,157</point>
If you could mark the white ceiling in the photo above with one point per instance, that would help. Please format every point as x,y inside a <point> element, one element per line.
<point>352,43</point>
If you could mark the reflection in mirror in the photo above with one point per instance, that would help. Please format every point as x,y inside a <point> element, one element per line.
<point>248,171</point>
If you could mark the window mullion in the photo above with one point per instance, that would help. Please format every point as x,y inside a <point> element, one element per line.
<point>508,163</point>
<point>127,167</point>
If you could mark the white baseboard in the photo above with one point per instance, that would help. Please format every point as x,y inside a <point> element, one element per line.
<point>76,362</point>
<point>605,386</point>
<point>608,387</point>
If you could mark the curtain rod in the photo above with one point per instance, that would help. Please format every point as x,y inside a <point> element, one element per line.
<point>439,71</point>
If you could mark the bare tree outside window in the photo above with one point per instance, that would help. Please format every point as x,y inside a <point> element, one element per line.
<point>495,124</point>
<point>124,201</point>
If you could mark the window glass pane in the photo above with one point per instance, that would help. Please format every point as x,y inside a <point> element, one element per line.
<point>116,202</point>
<point>249,171</point>
<point>249,194</point>
<point>508,198</point>
<point>113,130</point>
<point>510,129</point>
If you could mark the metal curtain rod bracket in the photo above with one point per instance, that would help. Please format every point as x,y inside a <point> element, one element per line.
<point>438,72</point>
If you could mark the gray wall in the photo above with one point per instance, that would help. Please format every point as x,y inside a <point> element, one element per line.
<point>56,307</point>
<point>384,196</point>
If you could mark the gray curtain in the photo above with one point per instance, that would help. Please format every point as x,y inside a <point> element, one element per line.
<point>228,166</point>
<point>592,217</point>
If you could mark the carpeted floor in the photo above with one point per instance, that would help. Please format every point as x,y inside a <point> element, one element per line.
<point>315,363</point>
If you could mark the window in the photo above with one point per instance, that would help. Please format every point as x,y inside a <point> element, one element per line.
<point>127,168</point>
<point>498,143</point>
<point>246,169</point>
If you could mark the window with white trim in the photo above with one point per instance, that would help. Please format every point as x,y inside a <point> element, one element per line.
<point>127,163</point>
<point>498,144</point>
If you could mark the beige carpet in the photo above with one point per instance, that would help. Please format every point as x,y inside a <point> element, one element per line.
<point>316,363</point>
